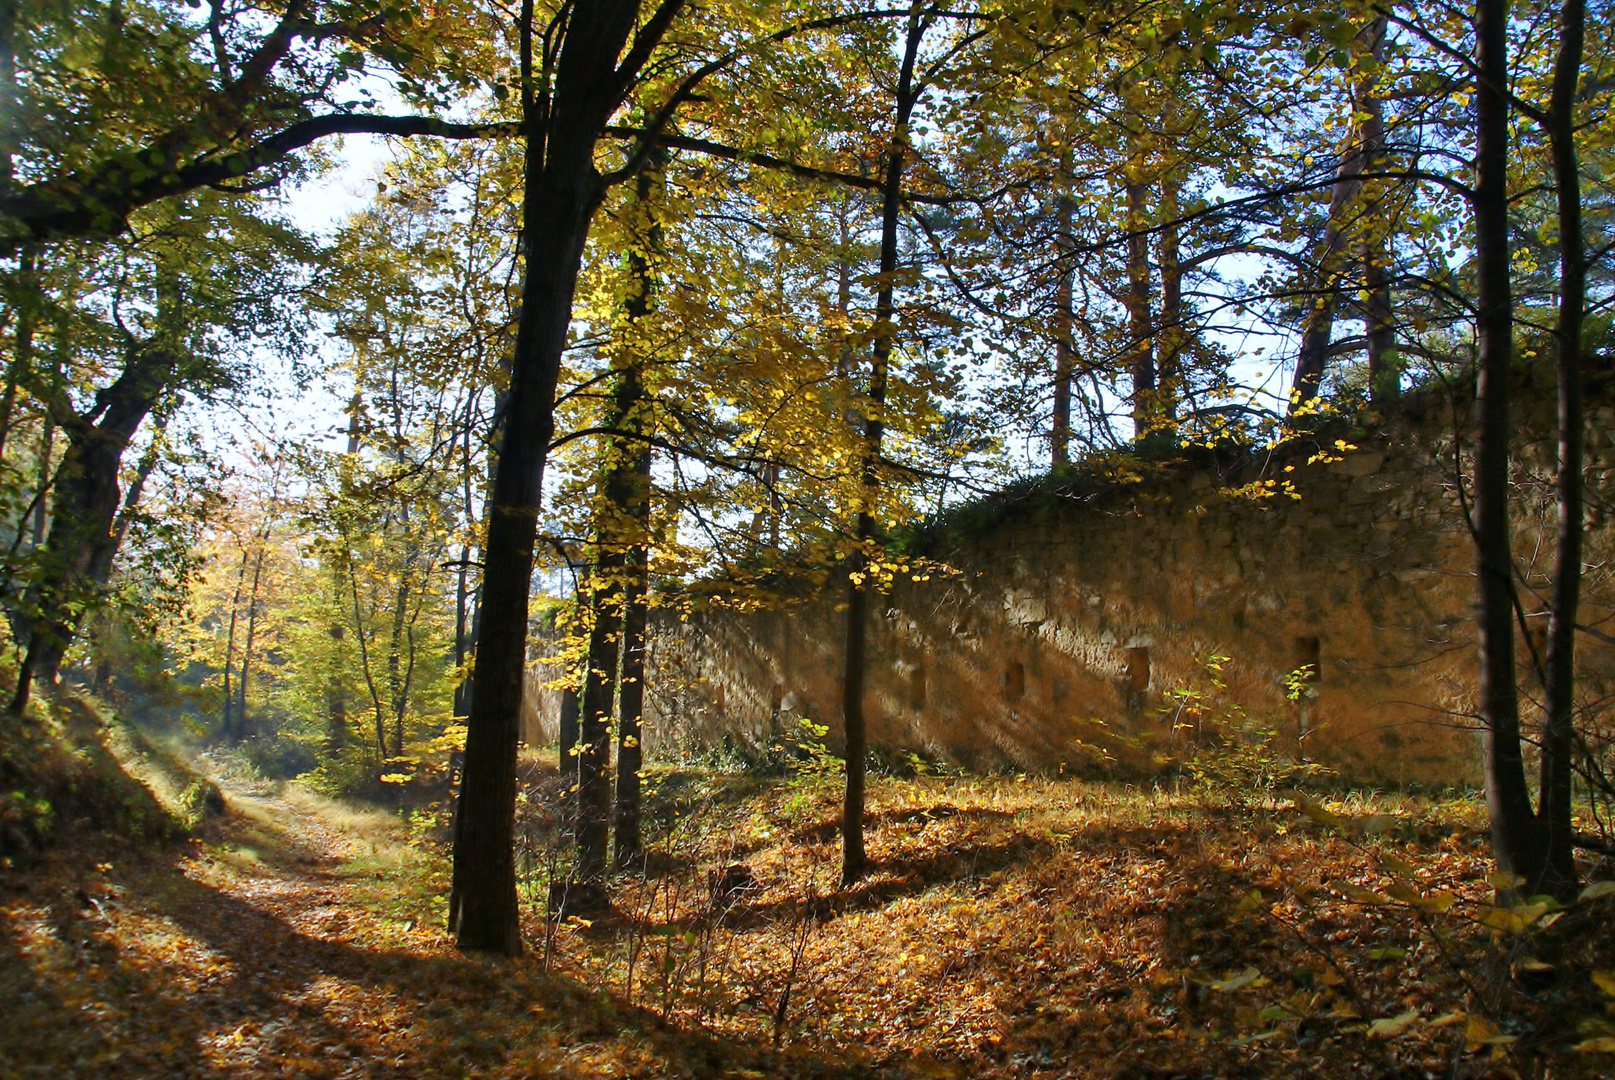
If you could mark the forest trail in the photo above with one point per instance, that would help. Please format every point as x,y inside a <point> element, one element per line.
<point>293,938</point>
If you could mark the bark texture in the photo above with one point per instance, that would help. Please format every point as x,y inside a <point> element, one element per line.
<point>1514,831</point>
<point>854,860</point>
<point>562,121</point>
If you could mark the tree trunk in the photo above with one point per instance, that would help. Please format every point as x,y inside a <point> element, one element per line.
<point>1384,370</point>
<point>567,725</point>
<point>227,726</point>
<point>633,465</point>
<point>336,694</point>
<point>1318,327</point>
<point>47,446</point>
<point>1064,366</point>
<point>561,190</point>
<point>1514,832</point>
<point>1140,327</point>
<point>1065,351</point>
<point>336,691</point>
<point>22,353</point>
<point>854,861</point>
<point>631,693</point>
<point>252,627</point>
<point>1170,332</point>
<point>465,599</point>
<point>101,568</point>
<point>86,500</point>
<point>593,807</point>
<point>1559,692</point>
<point>364,654</point>
<point>397,691</point>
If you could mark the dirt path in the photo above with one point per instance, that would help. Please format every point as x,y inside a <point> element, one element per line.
<point>293,938</point>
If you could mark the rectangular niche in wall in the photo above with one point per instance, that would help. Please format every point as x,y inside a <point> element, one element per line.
<point>1137,678</point>
<point>1306,659</point>
<point>1014,681</point>
<point>916,687</point>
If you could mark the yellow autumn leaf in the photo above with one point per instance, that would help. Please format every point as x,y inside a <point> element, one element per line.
<point>1401,890</point>
<point>1359,895</point>
<point>1395,866</point>
<point>1318,812</point>
<point>1392,1026</point>
<point>1597,891</point>
<point>1502,920</point>
<point>1479,1031</point>
<point>1245,978</point>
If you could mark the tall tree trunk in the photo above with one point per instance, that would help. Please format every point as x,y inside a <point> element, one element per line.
<point>47,448</point>
<point>465,599</point>
<point>397,691</point>
<point>567,725</point>
<point>631,691</point>
<point>1140,326</point>
<point>336,687</point>
<point>1065,354</point>
<point>252,627</point>
<point>86,500</point>
<point>336,691</point>
<point>22,343</point>
<point>9,133</point>
<point>561,190</point>
<point>1317,329</point>
<point>227,724</point>
<point>1384,370</point>
<point>1514,830</point>
<point>27,287</point>
<point>633,465</point>
<point>1065,346</point>
<point>364,639</point>
<point>1559,705</point>
<point>599,698</point>
<point>1170,334</point>
<point>101,568</point>
<point>854,861</point>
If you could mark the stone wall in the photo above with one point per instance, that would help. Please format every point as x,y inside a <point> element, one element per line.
<point>1074,619</point>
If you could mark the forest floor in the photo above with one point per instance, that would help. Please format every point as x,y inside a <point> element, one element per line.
<point>1011,927</point>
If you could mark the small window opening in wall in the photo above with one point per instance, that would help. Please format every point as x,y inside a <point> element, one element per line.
<point>916,687</point>
<point>1138,668</point>
<point>1304,669</point>
<point>1014,681</point>
<point>1538,630</point>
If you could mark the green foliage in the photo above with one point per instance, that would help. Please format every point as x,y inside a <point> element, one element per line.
<point>1225,750</point>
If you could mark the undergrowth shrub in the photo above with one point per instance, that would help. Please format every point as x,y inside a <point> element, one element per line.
<point>1217,744</point>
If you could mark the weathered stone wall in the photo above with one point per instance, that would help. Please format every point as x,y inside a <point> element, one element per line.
<point>1073,618</point>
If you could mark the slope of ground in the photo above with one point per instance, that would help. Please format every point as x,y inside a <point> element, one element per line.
<point>1012,928</point>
